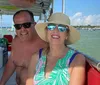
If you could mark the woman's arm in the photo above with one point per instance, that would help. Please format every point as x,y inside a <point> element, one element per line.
<point>78,70</point>
<point>31,69</point>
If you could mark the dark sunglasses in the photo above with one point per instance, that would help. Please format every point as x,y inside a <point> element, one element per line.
<point>25,25</point>
<point>61,28</point>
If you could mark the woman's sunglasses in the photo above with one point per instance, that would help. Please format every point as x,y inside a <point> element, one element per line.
<point>25,25</point>
<point>61,28</point>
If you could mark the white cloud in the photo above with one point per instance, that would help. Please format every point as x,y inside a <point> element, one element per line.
<point>80,19</point>
<point>78,14</point>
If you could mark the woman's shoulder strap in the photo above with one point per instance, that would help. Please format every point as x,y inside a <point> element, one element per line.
<point>40,52</point>
<point>73,56</point>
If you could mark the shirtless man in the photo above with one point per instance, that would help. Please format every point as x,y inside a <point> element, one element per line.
<point>24,45</point>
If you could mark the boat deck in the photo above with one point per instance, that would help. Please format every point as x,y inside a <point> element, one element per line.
<point>11,81</point>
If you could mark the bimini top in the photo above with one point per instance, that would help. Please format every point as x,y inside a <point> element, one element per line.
<point>8,6</point>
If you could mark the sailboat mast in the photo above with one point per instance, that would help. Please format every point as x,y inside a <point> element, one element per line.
<point>63,6</point>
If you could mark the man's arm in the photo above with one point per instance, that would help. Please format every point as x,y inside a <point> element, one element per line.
<point>8,71</point>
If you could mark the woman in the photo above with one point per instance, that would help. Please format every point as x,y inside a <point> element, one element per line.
<point>57,64</point>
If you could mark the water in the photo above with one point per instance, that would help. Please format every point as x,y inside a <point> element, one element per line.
<point>8,31</point>
<point>89,43</point>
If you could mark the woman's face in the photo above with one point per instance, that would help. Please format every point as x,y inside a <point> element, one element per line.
<point>56,34</point>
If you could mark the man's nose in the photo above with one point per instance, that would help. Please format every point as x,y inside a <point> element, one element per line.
<point>22,27</point>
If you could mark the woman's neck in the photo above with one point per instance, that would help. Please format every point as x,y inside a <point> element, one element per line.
<point>57,51</point>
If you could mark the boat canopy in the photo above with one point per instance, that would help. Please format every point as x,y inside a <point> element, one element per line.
<point>8,7</point>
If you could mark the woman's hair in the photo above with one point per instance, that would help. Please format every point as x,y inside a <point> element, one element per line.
<point>46,50</point>
<point>65,42</point>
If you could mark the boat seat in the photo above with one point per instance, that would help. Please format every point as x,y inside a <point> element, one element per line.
<point>92,75</point>
<point>9,38</point>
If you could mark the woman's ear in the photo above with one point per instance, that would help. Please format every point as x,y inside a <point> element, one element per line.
<point>35,23</point>
<point>67,32</point>
<point>67,35</point>
<point>65,42</point>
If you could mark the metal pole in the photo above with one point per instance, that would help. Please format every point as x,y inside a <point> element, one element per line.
<point>1,21</point>
<point>1,25</point>
<point>63,6</point>
<point>52,5</point>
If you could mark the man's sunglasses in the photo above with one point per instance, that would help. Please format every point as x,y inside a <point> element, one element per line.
<point>61,28</point>
<point>25,25</point>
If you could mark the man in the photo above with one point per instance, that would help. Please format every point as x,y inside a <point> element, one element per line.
<point>24,45</point>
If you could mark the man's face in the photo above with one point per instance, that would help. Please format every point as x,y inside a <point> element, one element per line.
<point>24,26</point>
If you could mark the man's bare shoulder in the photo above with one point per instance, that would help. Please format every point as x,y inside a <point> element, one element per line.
<point>15,40</point>
<point>14,44</point>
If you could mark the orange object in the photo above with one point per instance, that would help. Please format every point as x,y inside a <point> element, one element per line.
<point>22,3</point>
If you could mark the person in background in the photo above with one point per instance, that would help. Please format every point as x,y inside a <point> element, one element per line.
<point>24,45</point>
<point>57,64</point>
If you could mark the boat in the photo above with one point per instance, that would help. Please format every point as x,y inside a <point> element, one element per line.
<point>40,8</point>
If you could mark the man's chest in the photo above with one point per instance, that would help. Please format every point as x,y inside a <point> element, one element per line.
<point>21,57</point>
<point>19,60</point>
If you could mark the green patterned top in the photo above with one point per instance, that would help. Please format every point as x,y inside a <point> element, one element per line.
<point>58,76</point>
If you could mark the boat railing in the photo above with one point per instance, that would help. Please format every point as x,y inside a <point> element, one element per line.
<point>91,60</point>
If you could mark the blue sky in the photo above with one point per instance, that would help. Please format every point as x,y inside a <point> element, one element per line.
<point>81,12</point>
<point>87,7</point>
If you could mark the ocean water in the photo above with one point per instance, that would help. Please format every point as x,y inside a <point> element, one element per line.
<point>8,31</point>
<point>89,43</point>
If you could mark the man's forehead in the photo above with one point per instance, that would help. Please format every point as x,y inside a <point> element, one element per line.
<point>22,19</point>
<point>23,13</point>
